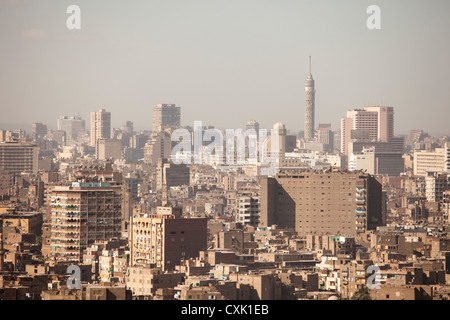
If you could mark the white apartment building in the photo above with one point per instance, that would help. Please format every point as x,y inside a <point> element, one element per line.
<point>428,161</point>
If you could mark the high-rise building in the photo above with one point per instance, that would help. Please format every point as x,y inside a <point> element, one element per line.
<point>100,126</point>
<point>158,146</point>
<point>337,141</point>
<point>128,127</point>
<point>446,210</point>
<point>171,175</point>
<point>428,161</point>
<point>248,210</point>
<point>290,143</point>
<point>6,182</point>
<point>369,124</point>
<point>82,214</point>
<point>138,141</point>
<point>252,124</point>
<point>310,94</point>
<point>38,130</point>
<point>17,157</point>
<point>389,163</point>
<point>333,203</point>
<point>72,126</point>
<point>358,124</point>
<point>108,148</point>
<point>277,148</point>
<point>447,157</point>
<point>363,161</point>
<point>326,136</point>
<point>436,184</point>
<point>388,159</point>
<point>346,131</point>
<point>385,122</point>
<point>166,116</point>
<point>378,163</point>
<point>365,124</point>
<point>164,238</point>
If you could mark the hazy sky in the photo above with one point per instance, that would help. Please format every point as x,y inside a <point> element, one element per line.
<point>225,62</point>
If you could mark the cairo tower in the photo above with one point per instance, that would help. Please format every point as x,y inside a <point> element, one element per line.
<point>310,93</point>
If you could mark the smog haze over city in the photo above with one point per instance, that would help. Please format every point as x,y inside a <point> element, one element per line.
<point>225,61</point>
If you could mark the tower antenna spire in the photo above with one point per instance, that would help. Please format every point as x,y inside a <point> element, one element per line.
<point>309,64</point>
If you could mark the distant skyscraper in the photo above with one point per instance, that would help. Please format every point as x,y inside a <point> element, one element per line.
<point>280,146</point>
<point>325,136</point>
<point>370,123</point>
<point>72,126</point>
<point>447,157</point>
<point>158,146</point>
<point>39,130</point>
<point>165,116</point>
<point>385,122</point>
<point>128,127</point>
<point>100,126</point>
<point>108,148</point>
<point>310,93</point>
<point>252,124</point>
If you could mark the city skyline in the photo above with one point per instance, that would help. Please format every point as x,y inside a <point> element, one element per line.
<point>128,60</point>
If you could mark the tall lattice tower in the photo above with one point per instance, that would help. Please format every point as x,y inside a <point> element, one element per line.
<point>310,93</point>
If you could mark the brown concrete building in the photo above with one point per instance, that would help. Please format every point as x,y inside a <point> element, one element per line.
<point>105,292</point>
<point>404,292</point>
<point>83,214</point>
<point>164,240</point>
<point>24,222</point>
<point>232,239</point>
<point>6,183</point>
<point>19,157</point>
<point>108,148</point>
<point>266,286</point>
<point>333,244</point>
<point>171,175</point>
<point>333,203</point>
<point>145,281</point>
